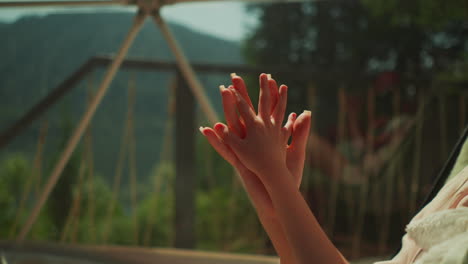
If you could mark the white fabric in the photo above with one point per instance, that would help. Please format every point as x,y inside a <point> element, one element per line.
<point>452,251</point>
<point>438,227</point>
<point>453,196</point>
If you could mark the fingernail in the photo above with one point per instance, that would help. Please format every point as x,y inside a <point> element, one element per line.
<point>233,75</point>
<point>283,89</point>
<point>222,89</point>
<point>202,130</point>
<point>269,76</point>
<point>294,115</point>
<point>307,112</point>
<point>219,127</point>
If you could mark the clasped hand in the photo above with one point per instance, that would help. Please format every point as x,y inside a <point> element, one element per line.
<point>256,143</point>
<point>263,147</point>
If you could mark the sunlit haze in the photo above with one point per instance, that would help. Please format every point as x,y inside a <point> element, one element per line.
<point>227,20</point>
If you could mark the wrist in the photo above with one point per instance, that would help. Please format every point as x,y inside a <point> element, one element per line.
<point>276,179</point>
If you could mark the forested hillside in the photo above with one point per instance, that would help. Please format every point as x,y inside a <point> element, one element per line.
<point>37,53</point>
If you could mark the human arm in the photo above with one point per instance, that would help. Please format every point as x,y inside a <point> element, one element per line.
<point>308,241</point>
<point>263,151</point>
<point>254,187</point>
<point>259,198</point>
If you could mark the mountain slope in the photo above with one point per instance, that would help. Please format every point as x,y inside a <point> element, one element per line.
<point>37,53</point>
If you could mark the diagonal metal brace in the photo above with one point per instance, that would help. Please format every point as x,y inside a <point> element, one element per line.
<point>186,69</point>
<point>83,124</point>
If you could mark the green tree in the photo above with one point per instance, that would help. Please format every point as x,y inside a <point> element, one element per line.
<point>15,171</point>
<point>92,224</point>
<point>61,197</point>
<point>349,42</point>
<point>427,13</point>
<point>156,210</point>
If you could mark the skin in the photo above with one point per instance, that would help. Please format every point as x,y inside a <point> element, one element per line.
<point>256,145</point>
<point>252,184</point>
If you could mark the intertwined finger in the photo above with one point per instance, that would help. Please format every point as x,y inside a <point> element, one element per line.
<point>245,111</point>
<point>251,182</point>
<point>301,131</point>
<point>264,100</point>
<point>239,85</point>
<point>219,146</point>
<point>229,138</point>
<point>278,114</point>
<point>288,127</point>
<point>296,151</point>
<point>273,93</point>
<point>230,113</point>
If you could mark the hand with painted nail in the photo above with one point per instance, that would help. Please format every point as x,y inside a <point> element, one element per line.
<point>269,98</point>
<point>256,144</point>
<point>272,105</point>
<point>295,153</point>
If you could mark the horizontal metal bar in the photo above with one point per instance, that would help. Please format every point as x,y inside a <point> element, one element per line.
<point>124,255</point>
<point>62,3</point>
<point>305,72</point>
<point>68,84</point>
<point>37,110</point>
<point>144,64</point>
<point>172,2</point>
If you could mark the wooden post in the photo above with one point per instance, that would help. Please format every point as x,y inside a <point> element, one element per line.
<point>462,108</point>
<point>185,165</point>
<point>307,174</point>
<point>88,146</point>
<point>125,143</point>
<point>165,155</point>
<point>338,163</point>
<point>443,128</point>
<point>414,185</point>
<point>132,167</point>
<point>364,189</point>
<point>73,217</point>
<point>33,179</point>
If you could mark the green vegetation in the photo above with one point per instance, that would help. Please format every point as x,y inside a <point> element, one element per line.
<point>39,53</point>
<point>393,53</point>
<point>348,45</point>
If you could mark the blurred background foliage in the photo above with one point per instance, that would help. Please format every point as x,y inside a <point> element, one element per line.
<point>399,67</point>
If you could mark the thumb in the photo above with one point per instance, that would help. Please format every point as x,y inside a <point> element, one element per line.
<point>217,143</point>
<point>300,131</point>
<point>297,149</point>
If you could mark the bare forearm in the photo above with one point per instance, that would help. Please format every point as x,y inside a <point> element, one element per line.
<point>276,234</point>
<point>308,241</point>
<point>267,216</point>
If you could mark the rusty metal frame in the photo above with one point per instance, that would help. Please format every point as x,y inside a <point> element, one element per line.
<point>82,125</point>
